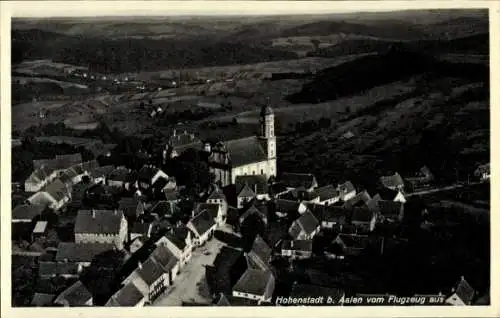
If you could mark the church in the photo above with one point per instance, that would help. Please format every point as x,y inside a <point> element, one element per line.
<point>255,155</point>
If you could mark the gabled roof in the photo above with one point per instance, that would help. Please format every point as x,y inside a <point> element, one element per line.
<point>150,271</point>
<point>259,255</point>
<point>203,221</point>
<point>102,171</point>
<point>74,296</point>
<point>128,296</point>
<point>57,189</point>
<point>258,183</point>
<point>245,191</point>
<point>253,210</point>
<point>297,245</point>
<point>327,192</point>
<point>360,199</point>
<point>98,221</point>
<point>245,150</point>
<point>222,301</point>
<point>278,187</point>
<point>392,181</point>
<point>336,214</point>
<point>129,206</point>
<point>307,222</point>
<point>142,228</point>
<point>217,194</point>
<point>165,258</point>
<point>464,291</point>
<point>27,211</point>
<point>38,175</point>
<point>212,208</point>
<point>254,282</point>
<point>119,174</point>
<point>147,172</point>
<point>81,252</point>
<point>298,180</point>
<point>163,208</point>
<point>287,206</point>
<point>362,215</point>
<point>387,194</point>
<point>390,209</point>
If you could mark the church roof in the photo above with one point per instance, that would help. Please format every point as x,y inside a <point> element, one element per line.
<point>245,151</point>
<point>267,110</point>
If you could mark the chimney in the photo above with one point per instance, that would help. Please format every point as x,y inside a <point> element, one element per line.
<point>175,132</point>
<point>139,265</point>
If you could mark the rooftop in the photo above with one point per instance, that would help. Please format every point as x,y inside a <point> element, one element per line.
<point>83,252</point>
<point>98,221</point>
<point>26,211</point>
<point>253,281</point>
<point>76,295</point>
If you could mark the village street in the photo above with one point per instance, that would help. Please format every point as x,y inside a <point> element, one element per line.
<point>185,287</point>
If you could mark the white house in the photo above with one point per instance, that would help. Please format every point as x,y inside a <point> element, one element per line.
<point>203,226</point>
<point>55,195</point>
<point>180,243</point>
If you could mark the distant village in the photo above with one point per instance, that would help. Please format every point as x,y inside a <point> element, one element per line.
<point>140,216</point>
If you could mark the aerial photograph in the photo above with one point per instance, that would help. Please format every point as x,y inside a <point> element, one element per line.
<point>335,159</point>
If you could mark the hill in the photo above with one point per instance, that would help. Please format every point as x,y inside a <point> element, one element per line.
<point>397,63</point>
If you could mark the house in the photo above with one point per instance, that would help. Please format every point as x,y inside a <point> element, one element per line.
<point>179,242</point>
<point>38,179</point>
<point>462,294</point>
<point>301,195</point>
<point>304,291</point>
<point>120,177</point>
<point>363,219</point>
<point>257,183</point>
<point>128,296</point>
<point>305,227</point>
<point>136,244</point>
<point>296,249</point>
<point>289,208</point>
<point>164,209</point>
<point>483,172</point>
<point>354,244</point>
<point>359,200</point>
<point>54,195</point>
<point>80,254</point>
<point>254,155</point>
<point>149,175</point>
<point>421,180</point>
<point>256,285</point>
<point>53,269</point>
<point>167,261</point>
<point>391,195</point>
<point>346,190</point>
<point>203,226</point>
<point>259,256</point>
<point>393,182</point>
<point>131,207</point>
<point>217,196</point>
<point>42,300</point>
<point>141,229</point>
<point>162,186</point>
<point>227,268</point>
<point>244,194</point>
<point>277,189</point>
<point>303,181</point>
<point>100,174</point>
<point>215,209</point>
<point>180,142</point>
<point>391,210</point>
<point>254,210</point>
<point>39,231</point>
<point>25,213</point>
<point>101,226</point>
<point>335,217</point>
<point>328,194</point>
<point>76,295</point>
<point>149,278</point>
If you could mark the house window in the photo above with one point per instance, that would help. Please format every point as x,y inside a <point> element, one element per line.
<point>253,171</point>
<point>261,171</point>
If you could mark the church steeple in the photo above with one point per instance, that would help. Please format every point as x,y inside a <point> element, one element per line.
<point>267,129</point>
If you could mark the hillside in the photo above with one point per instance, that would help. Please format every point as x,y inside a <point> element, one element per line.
<point>375,70</point>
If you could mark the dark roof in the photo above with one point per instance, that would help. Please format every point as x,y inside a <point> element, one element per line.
<point>464,291</point>
<point>102,171</point>
<point>327,192</point>
<point>360,199</point>
<point>260,254</point>
<point>307,222</point>
<point>253,281</point>
<point>119,174</point>
<point>362,214</point>
<point>55,269</point>
<point>212,208</point>
<point>222,301</point>
<point>57,189</point>
<point>335,214</point>
<point>150,271</point>
<point>258,183</point>
<point>147,172</point>
<point>27,211</point>
<point>298,180</point>
<point>68,175</point>
<point>82,252</point>
<point>287,206</point>
<point>217,194</point>
<point>356,241</point>
<point>142,228</point>
<point>307,290</point>
<point>38,175</point>
<point>98,221</point>
<point>163,208</point>
<point>74,296</point>
<point>129,206</point>
<point>172,195</point>
<point>127,296</point>
<point>244,191</point>
<point>245,150</point>
<point>298,245</point>
<point>346,187</point>
<point>390,209</point>
<point>391,181</point>
<point>387,194</point>
<point>42,299</point>
<point>164,257</point>
<point>253,210</point>
<point>278,187</point>
<point>203,221</point>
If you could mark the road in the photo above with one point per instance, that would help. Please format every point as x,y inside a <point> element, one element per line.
<point>186,284</point>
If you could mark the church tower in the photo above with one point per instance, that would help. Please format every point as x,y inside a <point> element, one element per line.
<point>267,133</point>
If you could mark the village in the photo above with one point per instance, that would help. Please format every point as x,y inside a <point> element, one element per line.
<point>108,235</point>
